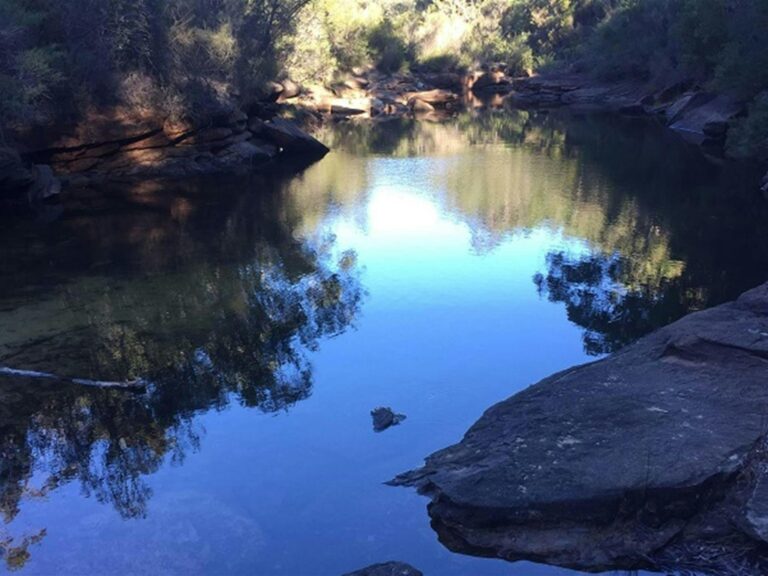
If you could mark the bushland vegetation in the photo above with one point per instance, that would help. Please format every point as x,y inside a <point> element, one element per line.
<point>188,56</point>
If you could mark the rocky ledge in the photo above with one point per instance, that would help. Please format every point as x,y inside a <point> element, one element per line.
<point>118,144</point>
<point>655,457</point>
<point>115,145</point>
<point>368,93</point>
<point>684,106</point>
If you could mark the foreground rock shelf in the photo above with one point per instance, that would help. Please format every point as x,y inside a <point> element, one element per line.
<point>652,458</point>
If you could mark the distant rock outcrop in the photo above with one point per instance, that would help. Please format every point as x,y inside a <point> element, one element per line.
<point>655,457</point>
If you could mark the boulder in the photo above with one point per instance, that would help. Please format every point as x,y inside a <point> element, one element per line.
<point>418,105</point>
<point>491,82</point>
<point>696,112</point>
<point>651,458</point>
<point>270,91</point>
<point>356,84</point>
<point>290,90</point>
<point>349,106</point>
<point>290,138</point>
<point>384,418</point>
<point>436,97</point>
<point>387,569</point>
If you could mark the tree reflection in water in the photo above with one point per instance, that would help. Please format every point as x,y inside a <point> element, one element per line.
<point>217,296</point>
<point>596,297</point>
<point>233,320</point>
<point>667,231</point>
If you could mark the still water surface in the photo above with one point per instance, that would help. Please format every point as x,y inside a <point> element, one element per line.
<point>434,268</point>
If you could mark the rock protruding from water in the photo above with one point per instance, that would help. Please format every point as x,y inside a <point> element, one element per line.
<point>654,457</point>
<point>384,418</point>
<point>387,569</point>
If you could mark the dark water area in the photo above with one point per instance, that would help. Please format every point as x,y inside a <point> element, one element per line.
<point>436,268</point>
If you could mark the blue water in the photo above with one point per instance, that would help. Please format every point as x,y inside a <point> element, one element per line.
<point>463,265</point>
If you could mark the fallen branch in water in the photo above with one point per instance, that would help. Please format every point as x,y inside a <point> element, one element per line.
<point>138,384</point>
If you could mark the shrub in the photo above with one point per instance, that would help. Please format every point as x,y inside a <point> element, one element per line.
<point>389,51</point>
<point>633,41</point>
<point>748,137</point>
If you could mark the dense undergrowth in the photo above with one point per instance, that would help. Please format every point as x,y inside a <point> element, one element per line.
<point>182,57</point>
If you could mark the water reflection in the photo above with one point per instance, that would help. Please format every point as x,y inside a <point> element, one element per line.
<point>220,304</point>
<point>661,229</point>
<point>218,292</point>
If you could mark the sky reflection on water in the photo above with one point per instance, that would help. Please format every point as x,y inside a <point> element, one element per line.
<point>436,269</point>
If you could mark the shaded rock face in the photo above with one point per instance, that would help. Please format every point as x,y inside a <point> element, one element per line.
<point>115,145</point>
<point>387,569</point>
<point>652,458</point>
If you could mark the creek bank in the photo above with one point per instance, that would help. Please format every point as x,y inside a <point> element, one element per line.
<point>701,116</point>
<point>116,144</point>
<point>368,93</point>
<point>698,115</point>
<point>655,457</point>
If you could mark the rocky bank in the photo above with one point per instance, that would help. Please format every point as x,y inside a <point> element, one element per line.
<point>120,144</point>
<point>655,457</point>
<point>699,115</point>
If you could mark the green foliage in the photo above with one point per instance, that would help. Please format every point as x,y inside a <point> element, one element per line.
<point>743,64</point>
<point>646,23</point>
<point>715,41</point>
<point>29,73</point>
<point>703,32</point>
<point>547,24</point>
<point>388,49</point>
<point>748,138</point>
<point>181,57</point>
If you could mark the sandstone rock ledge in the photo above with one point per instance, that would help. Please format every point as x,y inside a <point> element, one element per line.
<point>654,457</point>
<point>117,144</point>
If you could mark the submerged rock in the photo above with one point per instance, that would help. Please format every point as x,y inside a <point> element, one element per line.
<point>387,569</point>
<point>652,458</point>
<point>384,418</point>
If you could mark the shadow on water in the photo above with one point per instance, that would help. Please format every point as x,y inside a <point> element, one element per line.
<point>208,298</point>
<point>215,290</point>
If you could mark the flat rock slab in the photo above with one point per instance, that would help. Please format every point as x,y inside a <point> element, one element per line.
<point>608,464</point>
<point>387,569</point>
